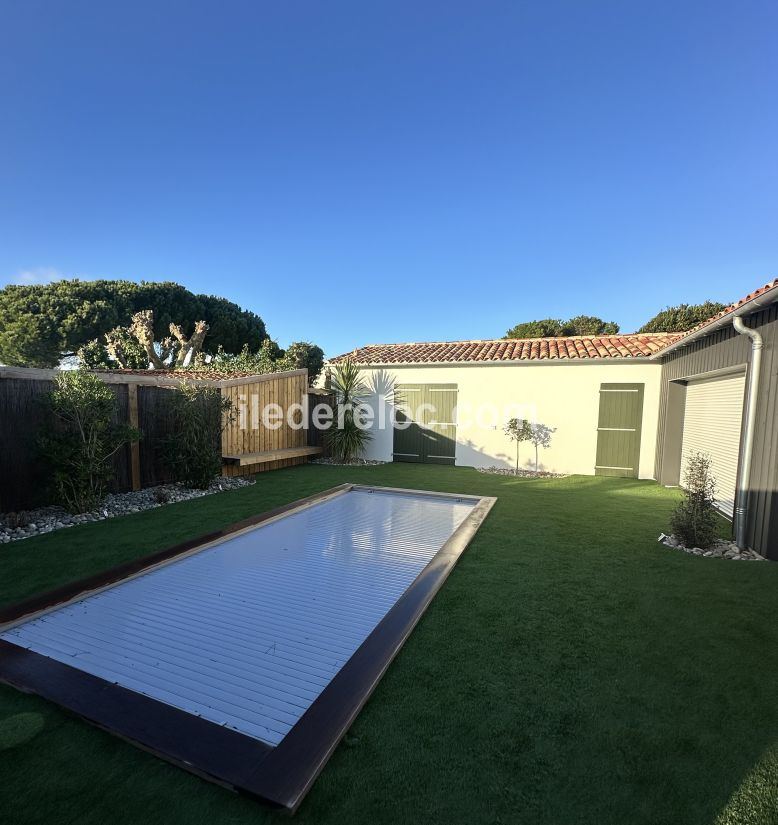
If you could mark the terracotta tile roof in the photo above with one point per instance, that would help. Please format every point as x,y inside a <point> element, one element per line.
<point>574,348</point>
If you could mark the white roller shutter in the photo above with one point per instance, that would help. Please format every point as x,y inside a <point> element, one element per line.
<point>712,421</point>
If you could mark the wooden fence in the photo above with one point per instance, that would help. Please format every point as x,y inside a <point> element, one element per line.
<point>143,401</point>
<point>269,427</point>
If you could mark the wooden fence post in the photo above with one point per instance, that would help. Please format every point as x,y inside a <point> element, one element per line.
<point>132,416</point>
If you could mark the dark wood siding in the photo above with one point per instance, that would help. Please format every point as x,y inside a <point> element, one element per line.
<point>724,350</point>
<point>317,436</point>
<point>24,472</point>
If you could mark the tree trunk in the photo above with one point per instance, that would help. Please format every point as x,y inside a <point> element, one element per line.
<point>114,348</point>
<point>142,328</point>
<point>191,346</point>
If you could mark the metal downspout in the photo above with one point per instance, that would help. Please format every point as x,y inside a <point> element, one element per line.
<point>747,443</point>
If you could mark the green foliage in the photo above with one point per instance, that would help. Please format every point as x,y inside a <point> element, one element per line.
<point>80,438</point>
<point>545,328</point>
<point>197,416</point>
<point>304,355</point>
<point>348,435</point>
<point>590,325</point>
<point>682,318</point>
<point>40,323</point>
<point>518,430</point>
<point>259,362</point>
<point>555,328</point>
<point>694,520</point>
<point>268,358</point>
<point>95,355</point>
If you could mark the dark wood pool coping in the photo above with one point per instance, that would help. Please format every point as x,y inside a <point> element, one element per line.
<point>280,775</point>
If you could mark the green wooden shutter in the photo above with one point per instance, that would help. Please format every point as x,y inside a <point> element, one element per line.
<point>408,439</point>
<point>432,438</point>
<point>619,430</point>
<point>440,426</point>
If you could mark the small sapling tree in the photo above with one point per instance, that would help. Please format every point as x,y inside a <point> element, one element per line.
<point>518,430</point>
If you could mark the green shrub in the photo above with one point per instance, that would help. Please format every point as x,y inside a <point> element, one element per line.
<point>694,520</point>
<point>198,414</point>
<point>80,438</point>
<point>348,435</point>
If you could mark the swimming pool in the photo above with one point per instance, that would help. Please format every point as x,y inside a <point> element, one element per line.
<point>265,639</point>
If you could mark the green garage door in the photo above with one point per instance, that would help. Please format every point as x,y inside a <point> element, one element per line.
<point>426,430</point>
<point>618,430</point>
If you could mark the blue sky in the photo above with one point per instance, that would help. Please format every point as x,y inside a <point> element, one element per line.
<point>390,171</point>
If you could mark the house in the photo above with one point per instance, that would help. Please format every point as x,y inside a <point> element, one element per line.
<point>622,405</point>
<point>719,392</point>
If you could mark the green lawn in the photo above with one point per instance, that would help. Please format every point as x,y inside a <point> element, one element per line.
<point>571,670</point>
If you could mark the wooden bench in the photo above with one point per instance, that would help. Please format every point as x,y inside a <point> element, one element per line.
<point>270,455</point>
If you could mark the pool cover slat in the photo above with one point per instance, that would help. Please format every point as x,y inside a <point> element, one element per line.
<point>335,569</point>
<point>263,642</point>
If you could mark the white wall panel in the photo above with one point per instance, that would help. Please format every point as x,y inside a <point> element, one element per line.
<point>562,395</point>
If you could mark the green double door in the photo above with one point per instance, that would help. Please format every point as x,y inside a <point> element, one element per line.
<point>425,430</point>
<point>618,430</point>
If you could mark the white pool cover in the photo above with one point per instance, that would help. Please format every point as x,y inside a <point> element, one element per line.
<point>247,633</point>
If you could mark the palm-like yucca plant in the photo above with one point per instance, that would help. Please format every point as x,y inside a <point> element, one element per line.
<point>348,436</point>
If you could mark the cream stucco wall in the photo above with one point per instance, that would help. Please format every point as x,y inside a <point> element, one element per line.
<point>561,395</point>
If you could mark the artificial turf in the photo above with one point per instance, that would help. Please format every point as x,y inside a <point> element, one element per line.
<point>571,670</point>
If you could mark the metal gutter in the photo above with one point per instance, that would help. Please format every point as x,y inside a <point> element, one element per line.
<point>747,442</point>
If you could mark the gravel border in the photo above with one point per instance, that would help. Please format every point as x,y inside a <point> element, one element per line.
<point>503,471</point>
<point>357,462</point>
<point>720,550</point>
<point>47,519</point>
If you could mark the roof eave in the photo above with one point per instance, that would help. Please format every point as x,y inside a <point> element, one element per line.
<point>507,362</point>
<point>747,308</point>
